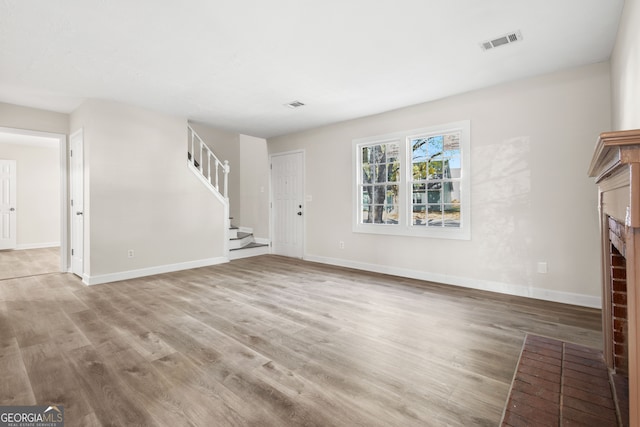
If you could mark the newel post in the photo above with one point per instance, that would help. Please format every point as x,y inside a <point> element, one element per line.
<point>227,169</point>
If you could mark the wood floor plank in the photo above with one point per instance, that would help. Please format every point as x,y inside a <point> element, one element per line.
<point>52,380</point>
<point>111,399</point>
<point>220,403</point>
<point>270,341</point>
<point>15,388</point>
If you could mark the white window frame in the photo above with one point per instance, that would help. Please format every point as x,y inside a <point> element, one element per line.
<point>404,226</point>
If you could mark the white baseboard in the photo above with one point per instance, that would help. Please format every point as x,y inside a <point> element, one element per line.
<point>37,245</point>
<point>150,271</point>
<point>485,285</point>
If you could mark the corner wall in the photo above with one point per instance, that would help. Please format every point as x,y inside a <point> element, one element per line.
<point>531,199</point>
<point>141,195</point>
<point>625,70</point>
<point>254,185</point>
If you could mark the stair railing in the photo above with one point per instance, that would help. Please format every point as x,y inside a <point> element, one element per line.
<point>211,169</point>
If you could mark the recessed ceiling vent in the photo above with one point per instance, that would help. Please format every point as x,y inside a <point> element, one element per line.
<point>295,104</point>
<point>502,40</point>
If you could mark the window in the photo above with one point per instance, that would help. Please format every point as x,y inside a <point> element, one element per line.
<point>380,183</point>
<point>414,182</point>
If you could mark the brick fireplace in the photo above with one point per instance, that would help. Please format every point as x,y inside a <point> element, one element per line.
<point>616,168</point>
<point>618,277</point>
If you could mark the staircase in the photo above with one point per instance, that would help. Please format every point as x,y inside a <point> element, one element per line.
<point>240,242</point>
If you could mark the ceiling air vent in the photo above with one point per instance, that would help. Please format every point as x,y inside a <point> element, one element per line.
<point>502,40</point>
<point>295,104</point>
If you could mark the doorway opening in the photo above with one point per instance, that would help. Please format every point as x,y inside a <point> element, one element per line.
<point>41,165</point>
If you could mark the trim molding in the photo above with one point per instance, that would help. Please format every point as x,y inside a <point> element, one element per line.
<point>262,240</point>
<point>150,271</point>
<point>37,245</point>
<point>466,282</point>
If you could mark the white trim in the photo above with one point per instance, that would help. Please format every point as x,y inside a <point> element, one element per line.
<point>466,282</point>
<point>150,271</point>
<point>263,240</point>
<point>249,252</point>
<point>65,253</point>
<point>37,246</point>
<point>78,135</point>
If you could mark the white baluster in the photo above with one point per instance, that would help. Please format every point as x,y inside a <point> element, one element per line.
<point>193,151</point>
<point>226,178</point>
<point>217,174</point>
<point>210,156</point>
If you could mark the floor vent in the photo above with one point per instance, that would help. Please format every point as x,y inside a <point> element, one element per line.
<point>502,40</point>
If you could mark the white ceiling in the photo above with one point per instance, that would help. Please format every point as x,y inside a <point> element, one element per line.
<point>234,63</point>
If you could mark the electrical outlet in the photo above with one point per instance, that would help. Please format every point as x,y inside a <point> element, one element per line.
<point>542,267</point>
<point>341,244</point>
<point>130,253</point>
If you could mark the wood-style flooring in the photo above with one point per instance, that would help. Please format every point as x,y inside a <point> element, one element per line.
<point>29,262</point>
<point>269,341</point>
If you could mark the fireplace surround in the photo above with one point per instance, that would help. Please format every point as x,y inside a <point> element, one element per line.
<point>616,169</point>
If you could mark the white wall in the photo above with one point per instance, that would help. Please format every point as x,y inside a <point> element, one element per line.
<point>254,185</point>
<point>140,194</point>
<point>625,70</point>
<point>18,117</point>
<point>38,191</point>
<point>226,146</point>
<point>531,144</point>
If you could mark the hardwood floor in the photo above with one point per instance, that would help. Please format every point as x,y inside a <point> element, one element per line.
<point>269,341</point>
<point>29,262</point>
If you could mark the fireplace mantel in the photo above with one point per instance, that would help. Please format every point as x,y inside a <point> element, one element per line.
<point>616,169</point>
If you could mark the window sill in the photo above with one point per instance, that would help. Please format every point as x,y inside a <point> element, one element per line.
<point>453,233</point>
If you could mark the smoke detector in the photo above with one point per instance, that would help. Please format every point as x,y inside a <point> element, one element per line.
<point>294,104</point>
<point>502,40</point>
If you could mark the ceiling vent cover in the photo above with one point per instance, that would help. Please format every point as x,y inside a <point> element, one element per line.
<point>502,40</point>
<point>295,104</point>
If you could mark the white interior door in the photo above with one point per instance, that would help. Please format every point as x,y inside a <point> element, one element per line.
<point>76,170</point>
<point>287,183</point>
<point>7,204</point>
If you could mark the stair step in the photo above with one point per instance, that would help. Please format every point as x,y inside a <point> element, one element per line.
<point>253,249</point>
<point>251,245</point>
<point>242,244</point>
<point>241,235</point>
<point>242,239</point>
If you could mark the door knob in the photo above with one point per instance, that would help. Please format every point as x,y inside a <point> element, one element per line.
<point>78,213</point>
<point>12,209</point>
<point>300,213</point>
